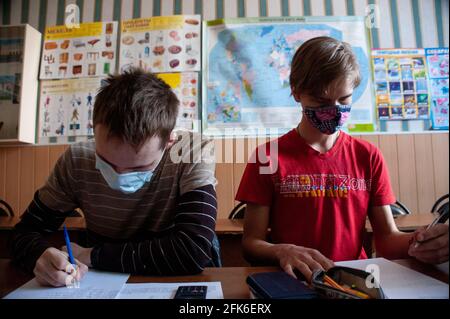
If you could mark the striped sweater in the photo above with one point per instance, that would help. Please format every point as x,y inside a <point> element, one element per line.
<point>165,228</point>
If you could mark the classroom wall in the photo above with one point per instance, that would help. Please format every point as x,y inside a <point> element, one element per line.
<point>418,163</point>
<point>418,166</point>
<point>403,23</point>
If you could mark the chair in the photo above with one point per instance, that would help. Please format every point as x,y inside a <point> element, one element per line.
<point>238,211</point>
<point>442,208</point>
<point>399,209</point>
<point>5,209</point>
<point>441,205</point>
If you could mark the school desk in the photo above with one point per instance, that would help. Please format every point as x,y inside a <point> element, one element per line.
<point>231,278</point>
<point>404,223</point>
<point>235,226</point>
<point>229,233</point>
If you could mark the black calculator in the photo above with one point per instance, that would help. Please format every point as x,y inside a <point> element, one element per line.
<point>191,292</point>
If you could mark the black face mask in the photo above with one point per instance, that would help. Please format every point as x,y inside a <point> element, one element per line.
<point>327,119</point>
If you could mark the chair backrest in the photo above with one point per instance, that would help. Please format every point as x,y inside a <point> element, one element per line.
<point>238,211</point>
<point>5,209</point>
<point>441,205</point>
<point>399,209</point>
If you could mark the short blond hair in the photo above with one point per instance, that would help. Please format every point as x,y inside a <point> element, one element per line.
<point>319,62</point>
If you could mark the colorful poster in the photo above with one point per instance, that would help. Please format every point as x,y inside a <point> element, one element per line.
<point>11,59</point>
<point>66,108</point>
<point>185,86</point>
<point>246,71</point>
<point>87,51</point>
<point>437,60</point>
<point>401,87</point>
<point>11,50</point>
<point>9,105</point>
<point>161,44</point>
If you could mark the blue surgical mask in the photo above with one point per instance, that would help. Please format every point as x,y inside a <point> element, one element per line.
<point>126,183</point>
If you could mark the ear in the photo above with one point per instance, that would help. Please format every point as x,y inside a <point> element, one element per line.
<point>172,139</point>
<point>295,95</point>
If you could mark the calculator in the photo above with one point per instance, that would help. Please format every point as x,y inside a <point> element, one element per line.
<point>191,292</point>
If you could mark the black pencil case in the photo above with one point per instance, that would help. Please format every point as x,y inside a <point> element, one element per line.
<point>356,279</point>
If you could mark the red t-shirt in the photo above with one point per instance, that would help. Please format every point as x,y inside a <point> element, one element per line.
<point>316,200</point>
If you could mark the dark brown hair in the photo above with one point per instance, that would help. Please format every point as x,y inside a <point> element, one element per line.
<point>136,106</point>
<point>319,62</point>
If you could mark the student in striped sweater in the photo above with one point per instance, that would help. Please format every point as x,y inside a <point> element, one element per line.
<point>148,198</point>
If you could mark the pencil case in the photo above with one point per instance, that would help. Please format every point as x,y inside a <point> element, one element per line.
<point>352,283</point>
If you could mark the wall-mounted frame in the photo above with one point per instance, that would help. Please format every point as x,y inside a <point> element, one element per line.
<point>19,66</point>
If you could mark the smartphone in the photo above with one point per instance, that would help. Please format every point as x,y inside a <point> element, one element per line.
<point>191,292</point>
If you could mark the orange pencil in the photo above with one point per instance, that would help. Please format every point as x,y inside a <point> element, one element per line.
<point>334,284</point>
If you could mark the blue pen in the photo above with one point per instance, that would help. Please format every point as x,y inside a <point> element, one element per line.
<point>69,248</point>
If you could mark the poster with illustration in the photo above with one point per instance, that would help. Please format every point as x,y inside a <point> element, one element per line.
<point>161,44</point>
<point>9,105</point>
<point>247,63</point>
<point>87,51</point>
<point>66,108</point>
<point>185,86</point>
<point>11,58</point>
<point>401,85</point>
<point>437,60</point>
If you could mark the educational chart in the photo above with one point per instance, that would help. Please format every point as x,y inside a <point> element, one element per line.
<point>401,87</point>
<point>247,66</point>
<point>161,44</point>
<point>437,61</point>
<point>66,108</point>
<point>11,57</point>
<point>87,51</point>
<point>185,86</point>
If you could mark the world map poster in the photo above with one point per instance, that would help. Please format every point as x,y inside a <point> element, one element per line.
<point>246,67</point>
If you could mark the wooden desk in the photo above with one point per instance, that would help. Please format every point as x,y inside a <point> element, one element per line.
<point>72,223</point>
<point>226,226</point>
<point>223,226</point>
<point>404,223</point>
<point>409,222</point>
<point>236,226</point>
<point>232,278</point>
<point>229,233</point>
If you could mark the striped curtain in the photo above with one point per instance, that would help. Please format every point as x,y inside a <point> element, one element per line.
<point>403,23</point>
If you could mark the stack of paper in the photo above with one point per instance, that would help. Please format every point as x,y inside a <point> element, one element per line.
<point>105,285</point>
<point>399,282</point>
<point>95,285</point>
<point>166,290</point>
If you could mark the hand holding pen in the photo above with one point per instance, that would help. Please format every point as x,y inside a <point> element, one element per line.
<point>430,244</point>
<point>72,271</point>
<point>55,268</point>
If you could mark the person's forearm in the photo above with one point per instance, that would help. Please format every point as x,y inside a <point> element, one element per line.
<point>257,250</point>
<point>176,254</point>
<point>393,246</point>
<point>26,246</point>
<point>186,249</point>
<point>27,242</point>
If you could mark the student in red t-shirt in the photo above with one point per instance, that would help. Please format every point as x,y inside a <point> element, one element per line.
<point>323,183</point>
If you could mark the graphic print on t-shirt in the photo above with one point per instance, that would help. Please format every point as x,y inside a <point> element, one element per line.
<point>321,185</point>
